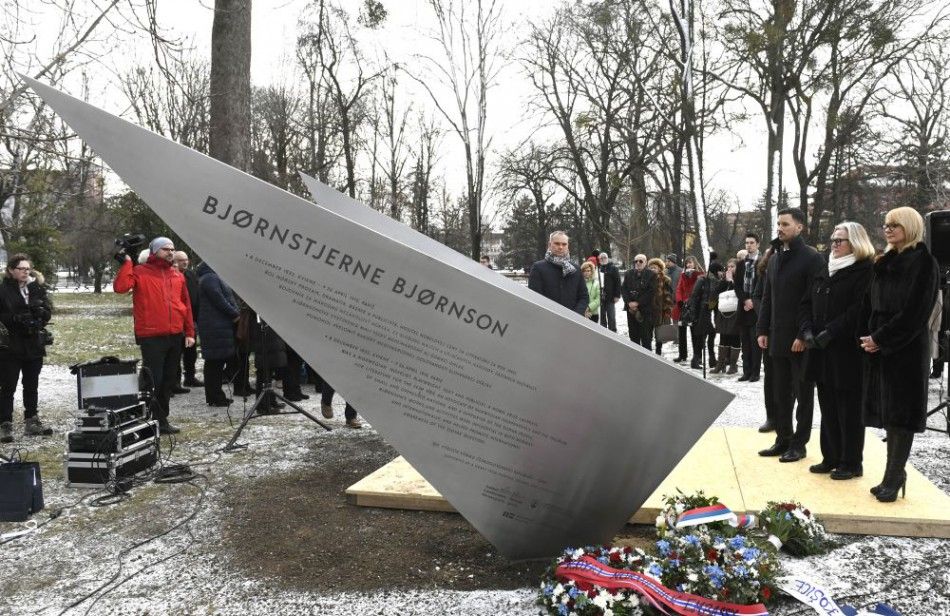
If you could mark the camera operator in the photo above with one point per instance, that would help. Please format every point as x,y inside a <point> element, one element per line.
<point>162,312</point>
<point>24,312</point>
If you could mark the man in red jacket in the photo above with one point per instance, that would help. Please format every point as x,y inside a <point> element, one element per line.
<point>162,312</point>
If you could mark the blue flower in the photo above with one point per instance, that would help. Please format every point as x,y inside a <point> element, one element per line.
<point>562,609</point>
<point>663,546</point>
<point>572,592</point>
<point>741,571</point>
<point>692,540</point>
<point>655,570</point>
<point>548,590</point>
<point>674,563</point>
<point>681,587</point>
<point>751,554</point>
<point>715,574</point>
<point>603,560</point>
<point>737,542</point>
<point>788,516</point>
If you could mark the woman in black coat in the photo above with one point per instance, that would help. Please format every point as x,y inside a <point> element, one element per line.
<point>894,335</point>
<point>216,323</point>
<point>829,314</point>
<point>24,313</point>
<point>702,303</point>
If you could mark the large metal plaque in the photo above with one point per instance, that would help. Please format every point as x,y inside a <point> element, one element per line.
<point>540,427</point>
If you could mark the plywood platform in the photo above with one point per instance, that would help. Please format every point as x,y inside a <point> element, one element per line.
<point>724,462</point>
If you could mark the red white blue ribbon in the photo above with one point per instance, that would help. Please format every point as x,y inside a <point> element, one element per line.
<point>715,513</point>
<point>594,572</point>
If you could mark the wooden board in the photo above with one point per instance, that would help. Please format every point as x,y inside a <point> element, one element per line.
<point>725,463</point>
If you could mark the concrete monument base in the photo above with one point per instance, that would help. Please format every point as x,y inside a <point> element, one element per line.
<point>724,463</point>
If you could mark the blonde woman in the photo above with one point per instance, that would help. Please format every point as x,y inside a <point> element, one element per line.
<point>830,311</point>
<point>593,291</point>
<point>894,335</point>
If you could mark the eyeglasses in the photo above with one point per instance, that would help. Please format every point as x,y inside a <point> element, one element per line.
<point>22,269</point>
<point>890,226</point>
<point>639,261</point>
<point>836,241</point>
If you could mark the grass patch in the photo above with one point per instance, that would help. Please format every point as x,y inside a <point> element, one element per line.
<point>88,326</point>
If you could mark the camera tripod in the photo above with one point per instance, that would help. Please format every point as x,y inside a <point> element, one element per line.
<point>266,396</point>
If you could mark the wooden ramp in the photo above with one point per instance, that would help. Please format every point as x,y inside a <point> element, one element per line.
<point>724,463</point>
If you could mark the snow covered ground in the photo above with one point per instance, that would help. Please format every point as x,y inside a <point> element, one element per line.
<point>182,572</point>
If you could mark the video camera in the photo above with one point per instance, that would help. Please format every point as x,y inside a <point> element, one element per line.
<point>128,245</point>
<point>130,242</point>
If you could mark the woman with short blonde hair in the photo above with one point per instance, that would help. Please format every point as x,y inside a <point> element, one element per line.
<point>912,224</point>
<point>895,336</point>
<point>593,291</point>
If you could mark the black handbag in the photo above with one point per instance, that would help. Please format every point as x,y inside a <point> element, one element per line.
<point>4,337</point>
<point>21,491</point>
<point>47,336</point>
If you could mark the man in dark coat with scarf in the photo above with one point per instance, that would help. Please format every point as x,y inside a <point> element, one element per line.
<point>791,273</point>
<point>558,278</point>
<point>189,355</point>
<point>746,278</point>
<point>638,289</point>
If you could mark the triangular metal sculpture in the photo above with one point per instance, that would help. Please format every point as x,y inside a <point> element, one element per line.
<point>540,427</point>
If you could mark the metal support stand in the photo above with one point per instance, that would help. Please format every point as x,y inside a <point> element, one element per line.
<point>265,397</point>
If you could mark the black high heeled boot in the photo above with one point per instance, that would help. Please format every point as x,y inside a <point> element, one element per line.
<point>890,452</point>
<point>895,477</point>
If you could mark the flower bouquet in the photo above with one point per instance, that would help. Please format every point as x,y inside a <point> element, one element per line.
<point>676,505</point>
<point>570,598</point>
<point>798,531</point>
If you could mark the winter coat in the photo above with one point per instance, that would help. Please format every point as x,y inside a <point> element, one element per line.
<point>894,313</point>
<point>727,324</point>
<point>684,288</point>
<point>24,321</point>
<point>610,279</point>
<point>702,303</point>
<point>593,293</point>
<point>191,281</point>
<point>160,302</point>
<point>673,272</point>
<point>833,306</point>
<point>662,301</point>
<point>219,309</point>
<point>570,291</point>
<point>640,287</point>
<point>790,274</point>
<point>747,318</point>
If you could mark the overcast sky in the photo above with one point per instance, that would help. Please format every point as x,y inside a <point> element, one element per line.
<point>734,163</point>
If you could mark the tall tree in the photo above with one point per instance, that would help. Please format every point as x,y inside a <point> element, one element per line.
<point>468,36</point>
<point>230,112</point>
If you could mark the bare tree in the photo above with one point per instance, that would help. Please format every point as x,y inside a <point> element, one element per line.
<point>391,129</point>
<point>921,146</point>
<point>468,35</point>
<point>429,137</point>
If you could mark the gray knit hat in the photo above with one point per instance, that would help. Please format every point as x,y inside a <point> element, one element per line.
<point>158,243</point>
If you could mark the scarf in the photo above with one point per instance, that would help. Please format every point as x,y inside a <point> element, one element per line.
<point>748,277</point>
<point>567,268</point>
<point>838,264</point>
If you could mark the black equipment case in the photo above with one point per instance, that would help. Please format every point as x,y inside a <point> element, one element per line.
<point>95,470</point>
<point>114,439</point>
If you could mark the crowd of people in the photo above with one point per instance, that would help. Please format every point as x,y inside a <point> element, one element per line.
<point>857,324</point>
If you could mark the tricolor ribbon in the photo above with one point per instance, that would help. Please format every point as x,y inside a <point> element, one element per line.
<point>594,572</point>
<point>715,513</point>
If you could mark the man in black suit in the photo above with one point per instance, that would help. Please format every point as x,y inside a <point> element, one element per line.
<point>557,277</point>
<point>745,279</point>
<point>790,274</point>
<point>609,292</point>
<point>637,290</point>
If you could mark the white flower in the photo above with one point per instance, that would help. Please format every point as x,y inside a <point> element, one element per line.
<point>577,553</point>
<point>608,612</point>
<point>692,577</point>
<point>679,508</point>
<point>558,589</point>
<point>603,599</point>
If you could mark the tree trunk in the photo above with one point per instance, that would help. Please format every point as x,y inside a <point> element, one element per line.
<point>231,83</point>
